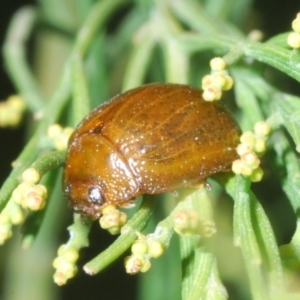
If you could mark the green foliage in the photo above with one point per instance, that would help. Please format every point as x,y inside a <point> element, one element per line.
<point>113,45</point>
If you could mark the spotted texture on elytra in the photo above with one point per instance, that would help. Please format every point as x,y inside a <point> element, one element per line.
<point>149,140</point>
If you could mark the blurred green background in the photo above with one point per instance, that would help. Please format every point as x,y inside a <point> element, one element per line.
<point>272,17</point>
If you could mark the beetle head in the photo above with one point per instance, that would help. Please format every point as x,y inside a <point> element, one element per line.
<point>85,196</point>
<point>95,175</point>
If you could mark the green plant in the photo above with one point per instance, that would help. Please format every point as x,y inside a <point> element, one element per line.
<point>113,45</point>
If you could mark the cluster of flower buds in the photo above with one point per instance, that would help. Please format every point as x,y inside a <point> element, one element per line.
<point>217,81</point>
<point>188,223</point>
<point>293,38</point>
<point>60,136</point>
<point>11,215</point>
<point>11,111</point>
<point>65,264</point>
<point>29,194</point>
<point>252,145</point>
<point>112,219</point>
<point>143,249</point>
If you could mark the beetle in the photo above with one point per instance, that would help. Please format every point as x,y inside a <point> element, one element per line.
<point>149,140</point>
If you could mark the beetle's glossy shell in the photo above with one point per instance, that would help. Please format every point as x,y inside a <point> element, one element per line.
<point>149,140</point>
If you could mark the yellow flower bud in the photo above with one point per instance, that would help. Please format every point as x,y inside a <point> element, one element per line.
<point>18,217</point>
<point>248,138</point>
<point>296,25</point>
<point>257,175</point>
<point>293,40</point>
<point>186,222</point>
<point>66,133</point>
<point>107,209</point>
<point>57,262</point>
<point>60,142</point>
<point>212,93</point>
<point>71,255</point>
<point>33,202</point>
<point>217,64</point>
<point>246,170</point>
<point>41,190</point>
<point>242,149</point>
<point>219,80</point>
<point>4,218</point>
<point>54,130</point>
<point>20,190</point>
<point>255,35</point>
<point>250,159</point>
<point>139,247</point>
<point>206,81</point>
<point>260,145</point>
<point>112,219</point>
<point>237,166</point>
<point>146,266</point>
<point>155,249</point>
<point>262,128</point>
<point>134,264</point>
<point>31,175</point>
<point>59,278</point>
<point>228,83</point>
<point>207,228</point>
<point>62,249</point>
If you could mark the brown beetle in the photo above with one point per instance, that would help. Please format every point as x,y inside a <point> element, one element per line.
<point>149,140</point>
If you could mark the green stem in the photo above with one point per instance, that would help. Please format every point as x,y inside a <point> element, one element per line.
<point>32,149</point>
<point>28,273</point>
<point>100,13</point>
<point>33,223</point>
<point>286,167</point>
<point>187,248</point>
<point>282,59</point>
<point>177,73</point>
<point>202,270</point>
<point>139,59</point>
<point>194,15</point>
<point>62,14</point>
<point>288,107</point>
<point>125,240</point>
<point>59,98</point>
<point>279,40</point>
<point>49,161</point>
<point>79,232</point>
<point>196,267</point>
<point>268,242</point>
<point>24,160</point>
<point>81,100</point>
<point>245,238</point>
<point>193,43</point>
<point>246,99</point>
<point>15,58</point>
